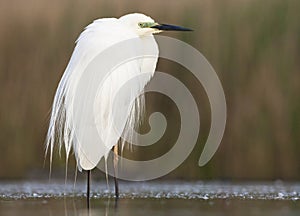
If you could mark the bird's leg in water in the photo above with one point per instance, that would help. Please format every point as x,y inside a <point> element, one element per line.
<point>115,149</point>
<point>88,188</point>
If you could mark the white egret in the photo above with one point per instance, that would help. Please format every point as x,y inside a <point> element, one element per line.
<point>96,37</point>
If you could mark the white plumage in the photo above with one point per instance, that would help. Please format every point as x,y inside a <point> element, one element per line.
<point>74,133</point>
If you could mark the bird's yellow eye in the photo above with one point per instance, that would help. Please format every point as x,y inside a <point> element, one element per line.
<point>141,25</point>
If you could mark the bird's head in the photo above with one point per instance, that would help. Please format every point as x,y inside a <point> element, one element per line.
<point>145,25</point>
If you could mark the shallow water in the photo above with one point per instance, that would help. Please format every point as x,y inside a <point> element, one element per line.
<point>151,198</point>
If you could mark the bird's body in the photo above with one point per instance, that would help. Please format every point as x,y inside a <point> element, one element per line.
<point>111,31</point>
<point>97,37</point>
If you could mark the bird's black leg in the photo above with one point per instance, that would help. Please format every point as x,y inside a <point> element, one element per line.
<point>115,149</point>
<point>88,188</point>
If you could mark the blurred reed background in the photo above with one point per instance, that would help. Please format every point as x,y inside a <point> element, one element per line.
<point>253,45</point>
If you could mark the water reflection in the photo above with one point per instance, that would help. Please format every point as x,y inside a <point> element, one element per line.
<point>108,206</point>
<point>175,207</point>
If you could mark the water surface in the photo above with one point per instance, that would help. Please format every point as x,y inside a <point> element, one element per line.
<point>151,198</point>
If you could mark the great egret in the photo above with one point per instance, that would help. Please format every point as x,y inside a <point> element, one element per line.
<point>96,37</point>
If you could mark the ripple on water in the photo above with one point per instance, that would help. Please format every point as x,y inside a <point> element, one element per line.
<point>155,190</point>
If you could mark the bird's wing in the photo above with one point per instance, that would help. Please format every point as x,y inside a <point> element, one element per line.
<point>82,103</point>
